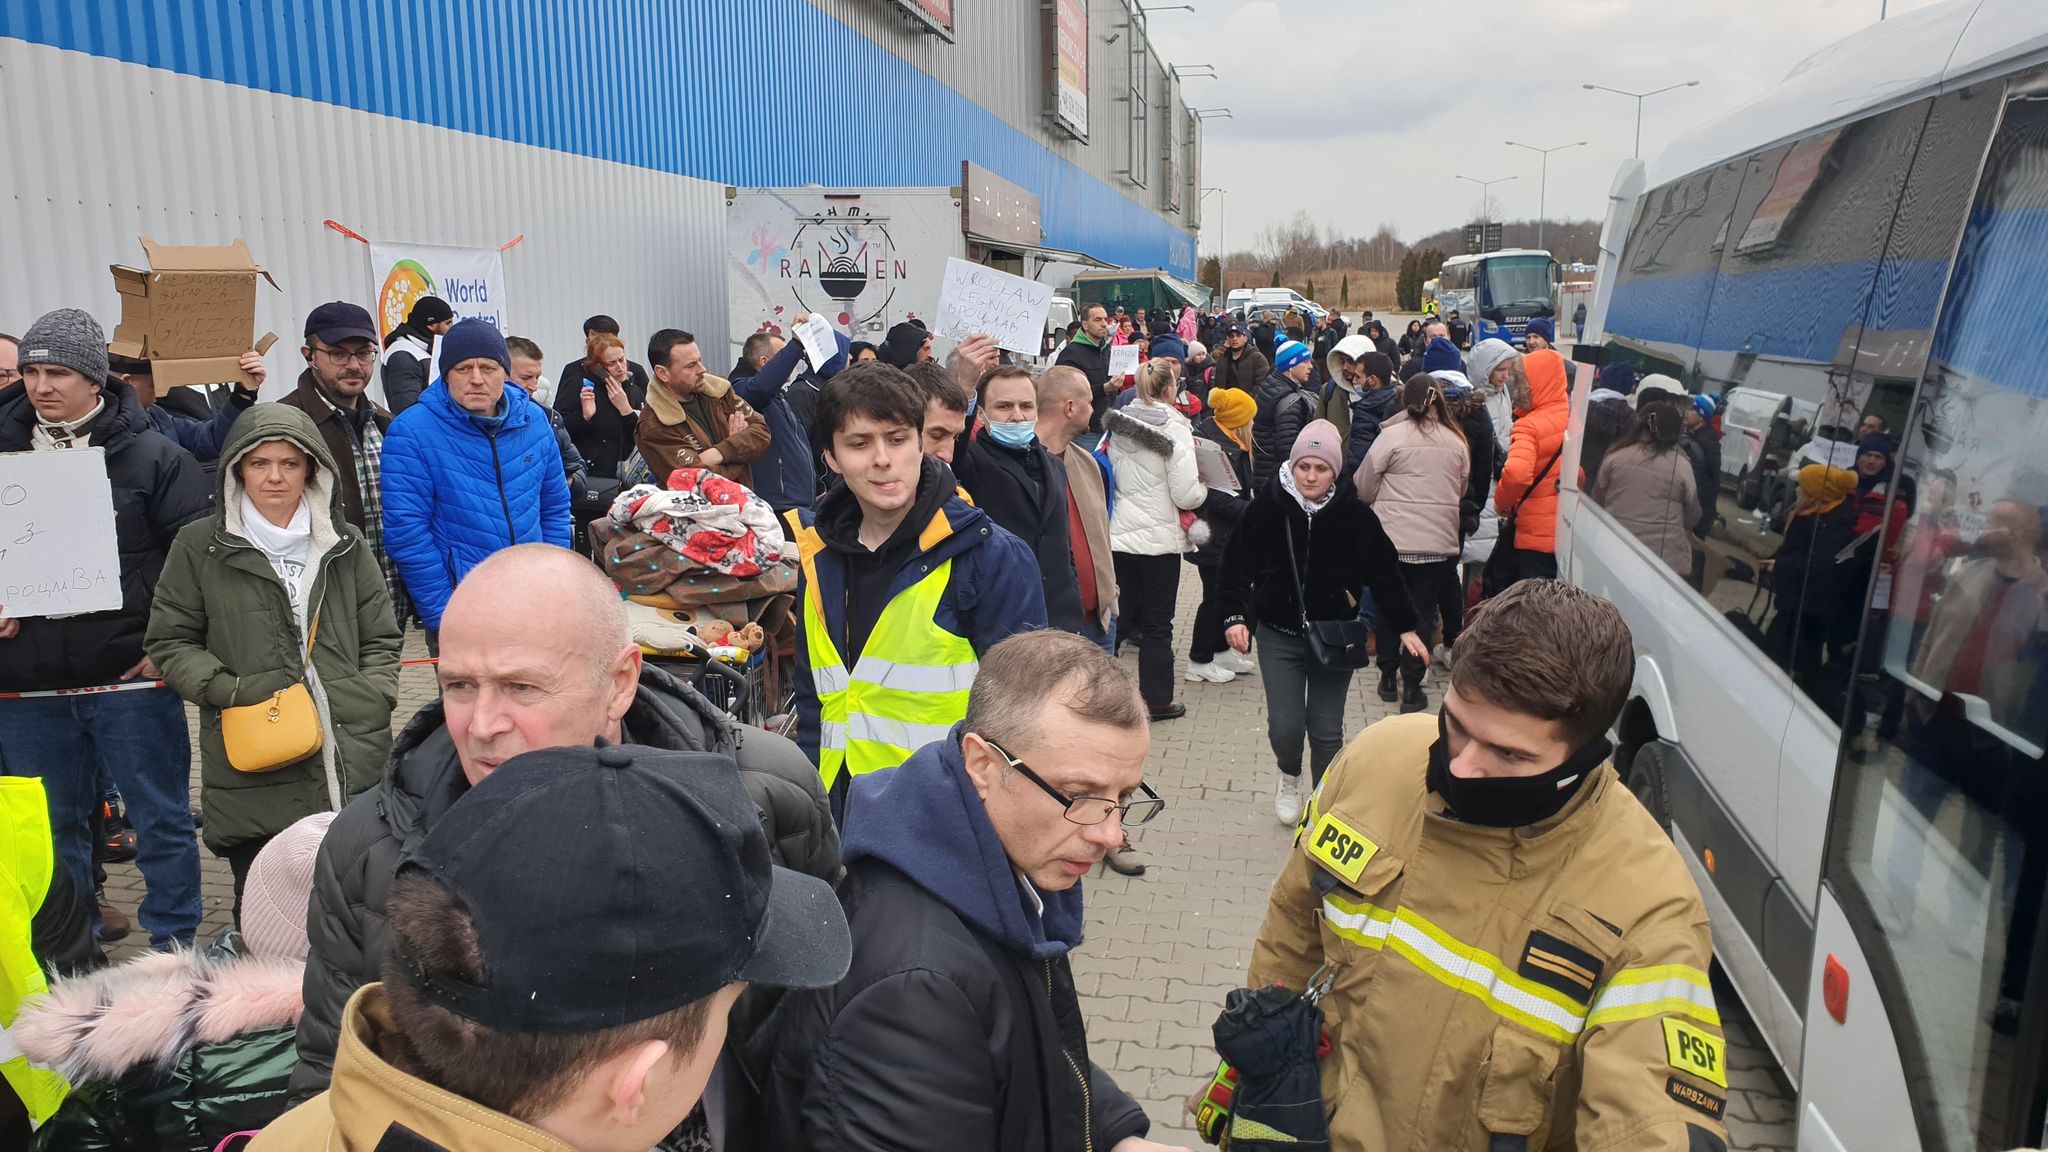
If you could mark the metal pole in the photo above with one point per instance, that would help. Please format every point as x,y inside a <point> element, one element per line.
<point>1542,198</point>
<point>1639,127</point>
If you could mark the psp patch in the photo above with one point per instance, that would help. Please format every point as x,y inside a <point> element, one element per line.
<point>1695,1050</point>
<point>1695,1097</point>
<point>1340,848</point>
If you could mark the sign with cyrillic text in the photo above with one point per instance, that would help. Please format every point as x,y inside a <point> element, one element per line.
<point>58,555</point>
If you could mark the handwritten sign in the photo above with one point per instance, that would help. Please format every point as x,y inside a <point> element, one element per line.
<point>820,345</point>
<point>57,547</point>
<point>1123,361</point>
<point>1009,309</point>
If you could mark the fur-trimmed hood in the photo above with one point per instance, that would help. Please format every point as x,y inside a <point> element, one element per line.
<point>153,1010</point>
<point>1141,426</point>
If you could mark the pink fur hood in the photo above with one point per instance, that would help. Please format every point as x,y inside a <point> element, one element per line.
<point>154,1009</point>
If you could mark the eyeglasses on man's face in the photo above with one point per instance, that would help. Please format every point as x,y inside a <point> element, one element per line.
<point>1089,809</point>
<point>344,356</point>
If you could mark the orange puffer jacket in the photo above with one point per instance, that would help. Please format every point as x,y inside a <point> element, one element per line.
<point>1539,435</point>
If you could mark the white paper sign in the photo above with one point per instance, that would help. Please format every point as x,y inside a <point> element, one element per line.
<point>1010,309</point>
<point>57,548</point>
<point>1123,361</point>
<point>819,343</point>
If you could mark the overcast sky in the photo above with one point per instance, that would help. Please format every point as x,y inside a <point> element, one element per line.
<point>1362,112</point>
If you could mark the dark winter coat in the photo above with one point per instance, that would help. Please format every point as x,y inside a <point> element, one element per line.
<point>456,491</point>
<point>1285,408</point>
<point>158,488</point>
<point>1703,448</point>
<point>1342,549</point>
<point>1369,410</point>
<point>1218,517</point>
<point>170,1052</point>
<point>786,473</point>
<point>1247,372</point>
<point>1025,491</point>
<point>352,876</point>
<point>224,634</point>
<point>1093,361</point>
<point>202,437</point>
<point>958,1026</point>
<point>1469,410</point>
<point>606,439</point>
<point>339,436</point>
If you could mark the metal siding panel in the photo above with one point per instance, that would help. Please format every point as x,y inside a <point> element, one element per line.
<point>633,83</point>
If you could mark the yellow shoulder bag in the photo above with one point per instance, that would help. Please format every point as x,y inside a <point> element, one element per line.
<point>279,731</point>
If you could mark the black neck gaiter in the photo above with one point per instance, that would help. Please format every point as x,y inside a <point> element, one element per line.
<point>1511,801</point>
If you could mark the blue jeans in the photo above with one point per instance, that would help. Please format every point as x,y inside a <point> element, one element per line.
<point>138,741</point>
<point>1104,638</point>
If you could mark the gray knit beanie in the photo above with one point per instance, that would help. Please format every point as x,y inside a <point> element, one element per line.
<point>69,338</point>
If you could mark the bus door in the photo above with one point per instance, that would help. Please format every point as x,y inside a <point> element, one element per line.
<point>1926,1016</point>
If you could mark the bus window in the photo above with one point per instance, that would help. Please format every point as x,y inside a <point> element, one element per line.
<point>1937,847</point>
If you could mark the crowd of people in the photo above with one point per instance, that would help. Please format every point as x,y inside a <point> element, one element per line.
<point>854,937</point>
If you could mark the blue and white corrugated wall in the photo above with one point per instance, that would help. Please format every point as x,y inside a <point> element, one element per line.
<point>604,131</point>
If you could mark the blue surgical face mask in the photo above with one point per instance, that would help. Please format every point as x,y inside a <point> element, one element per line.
<point>1017,434</point>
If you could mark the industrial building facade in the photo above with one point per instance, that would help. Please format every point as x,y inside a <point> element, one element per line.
<point>603,136</point>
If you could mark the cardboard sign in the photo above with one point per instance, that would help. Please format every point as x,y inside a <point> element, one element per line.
<point>1009,309</point>
<point>58,554</point>
<point>819,343</point>
<point>1123,361</point>
<point>192,314</point>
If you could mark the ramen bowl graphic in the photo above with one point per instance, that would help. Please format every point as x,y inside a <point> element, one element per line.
<point>407,281</point>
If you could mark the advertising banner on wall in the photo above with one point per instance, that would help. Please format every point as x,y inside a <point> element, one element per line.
<point>1068,60</point>
<point>471,280</point>
<point>936,15</point>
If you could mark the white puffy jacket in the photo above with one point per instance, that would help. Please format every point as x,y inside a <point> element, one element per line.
<point>1152,453</point>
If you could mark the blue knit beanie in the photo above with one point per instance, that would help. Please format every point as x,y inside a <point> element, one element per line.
<point>1442,356</point>
<point>1704,405</point>
<point>1541,326</point>
<point>1289,354</point>
<point>1619,376</point>
<point>1170,346</point>
<point>1880,443</point>
<point>473,339</point>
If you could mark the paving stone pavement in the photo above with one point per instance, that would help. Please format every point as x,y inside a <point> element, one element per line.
<point>1163,949</point>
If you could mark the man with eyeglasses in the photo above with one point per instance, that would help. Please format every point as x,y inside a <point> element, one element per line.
<point>958,1025</point>
<point>341,356</point>
<point>10,359</point>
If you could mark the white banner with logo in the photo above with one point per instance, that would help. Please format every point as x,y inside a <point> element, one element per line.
<point>471,280</point>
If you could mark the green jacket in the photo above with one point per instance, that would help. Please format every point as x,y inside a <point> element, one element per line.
<point>224,634</point>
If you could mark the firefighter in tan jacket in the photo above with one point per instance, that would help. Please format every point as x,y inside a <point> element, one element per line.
<point>1519,955</point>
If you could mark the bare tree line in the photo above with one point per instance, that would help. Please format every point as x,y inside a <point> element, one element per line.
<point>1302,246</point>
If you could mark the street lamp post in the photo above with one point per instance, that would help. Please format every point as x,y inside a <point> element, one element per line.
<point>1222,202</point>
<point>1639,97</point>
<point>1543,188</point>
<point>1484,209</point>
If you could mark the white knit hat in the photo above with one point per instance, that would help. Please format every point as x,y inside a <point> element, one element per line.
<point>275,894</point>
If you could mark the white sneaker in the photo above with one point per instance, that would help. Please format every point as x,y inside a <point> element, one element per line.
<point>1288,801</point>
<point>1232,660</point>
<point>1212,672</point>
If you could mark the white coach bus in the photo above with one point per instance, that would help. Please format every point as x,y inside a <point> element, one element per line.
<point>1841,715</point>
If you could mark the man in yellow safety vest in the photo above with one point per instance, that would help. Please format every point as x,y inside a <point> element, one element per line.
<point>44,924</point>
<point>905,584</point>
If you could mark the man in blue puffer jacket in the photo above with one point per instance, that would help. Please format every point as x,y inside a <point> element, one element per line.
<point>785,390</point>
<point>469,469</point>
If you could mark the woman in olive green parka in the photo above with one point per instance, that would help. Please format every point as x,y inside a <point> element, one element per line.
<point>238,595</point>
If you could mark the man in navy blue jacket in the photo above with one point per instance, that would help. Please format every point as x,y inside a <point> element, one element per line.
<point>784,390</point>
<point>905,585</point>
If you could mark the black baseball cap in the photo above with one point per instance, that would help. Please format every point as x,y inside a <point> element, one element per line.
<point>612,884</point>
<point>339,320</point>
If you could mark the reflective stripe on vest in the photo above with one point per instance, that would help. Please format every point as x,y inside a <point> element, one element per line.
<point>1632,993</point>
<point>27,861</point>
<point>907,689</point>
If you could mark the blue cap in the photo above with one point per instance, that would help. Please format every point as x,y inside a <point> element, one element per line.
<point>473,339</point>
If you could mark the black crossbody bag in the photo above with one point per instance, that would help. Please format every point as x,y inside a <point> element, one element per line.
<point>1503,566</point>
<point>1337,644</point>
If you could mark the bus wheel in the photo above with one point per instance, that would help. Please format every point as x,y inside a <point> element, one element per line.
<point>1646,782</point>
